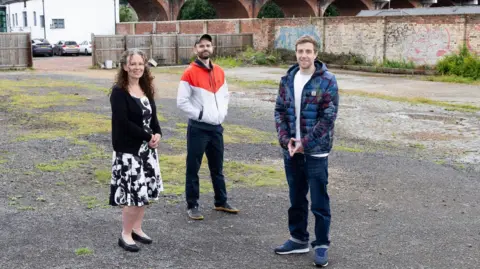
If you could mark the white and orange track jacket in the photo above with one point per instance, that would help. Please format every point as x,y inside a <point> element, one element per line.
<point>203,93</point>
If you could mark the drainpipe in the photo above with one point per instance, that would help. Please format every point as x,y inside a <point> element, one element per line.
<point>44,21</point>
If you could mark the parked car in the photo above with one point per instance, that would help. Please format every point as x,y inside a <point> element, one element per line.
<point>66,47</point>
<point>41,46</point>
<point>86,47</point>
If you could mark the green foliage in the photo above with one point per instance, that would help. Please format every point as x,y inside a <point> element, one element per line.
<point>398,64</point>
<point>197,10</point>
<point>332,11</point>
<point>126,14</point>
<point>342,58</point>
<point>464,64</point>
<point>271,10</point>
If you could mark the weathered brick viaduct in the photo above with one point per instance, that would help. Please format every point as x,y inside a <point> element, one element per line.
<point>168,10</point>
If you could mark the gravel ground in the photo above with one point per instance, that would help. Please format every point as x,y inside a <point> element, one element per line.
<point>394,204</point>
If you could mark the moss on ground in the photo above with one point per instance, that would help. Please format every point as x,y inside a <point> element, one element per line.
<point>45,101</point>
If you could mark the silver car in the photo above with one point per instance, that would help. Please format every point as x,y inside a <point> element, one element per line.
<point>66,48</point>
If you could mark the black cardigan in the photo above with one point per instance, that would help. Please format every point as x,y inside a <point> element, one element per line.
<point>127,122</point>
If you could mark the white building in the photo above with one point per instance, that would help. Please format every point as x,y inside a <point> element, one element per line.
<point>57,20</point>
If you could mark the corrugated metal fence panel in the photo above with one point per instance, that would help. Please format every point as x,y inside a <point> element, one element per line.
<point>15,50</point>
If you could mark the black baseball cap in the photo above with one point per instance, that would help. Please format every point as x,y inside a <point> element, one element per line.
<point>204,36</point>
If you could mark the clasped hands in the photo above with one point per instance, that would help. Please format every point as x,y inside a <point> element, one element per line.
<point>295,146</point>
<point>154,141</point>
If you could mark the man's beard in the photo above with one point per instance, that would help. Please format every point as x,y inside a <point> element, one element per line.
<point>204,57</point>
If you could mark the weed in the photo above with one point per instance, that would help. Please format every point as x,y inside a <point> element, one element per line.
<point>452,79</point>
<point>254,84</point>
<point>103,176</point>
<point>414,100</point>
<point>41,199</point>
<point>90,201</point>
<point>45,101</point>
<point>83,251</point>
<point>347,149</point>
<point>26,208</point>
<point>463,64</point>
<point>173,173</point>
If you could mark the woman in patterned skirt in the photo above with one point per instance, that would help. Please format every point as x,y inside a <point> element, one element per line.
<point>136,133</point>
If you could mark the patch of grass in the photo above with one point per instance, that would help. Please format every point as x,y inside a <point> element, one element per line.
<point>45,101</point>
<point>59,166</point>
<point>41,199</point>
<point>83,251</point>
<point>67,125</point>
<point>161,118</point>
<point>238,134</point>
<point>103,176</point>
<point>254,84</point>
<point>18,85</point>
<point>347,149</point>
<point>233,134</point>
<point>2,161</point>
<point>417,146</point>
<point>90,201</point>
<point>398,64</point>
<point>94,152</point>
<point>440,162</point>
<point>26,208</point>
<point>176,143</point>
<point>453,79</point>
<point>228,62</point>
<point>169,70</point>
<point>414,100</point>
<point>60,183</point>
<point>250,175</point>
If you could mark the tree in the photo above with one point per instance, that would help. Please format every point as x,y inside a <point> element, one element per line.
<point>126,14</point>
<point>332,11</point>
<point>271,10</point>
<point>197,10</point>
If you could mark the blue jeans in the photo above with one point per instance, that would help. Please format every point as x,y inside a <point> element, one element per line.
<point>304,172</point>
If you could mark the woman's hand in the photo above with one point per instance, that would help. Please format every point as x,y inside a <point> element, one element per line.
<point>154,141</point>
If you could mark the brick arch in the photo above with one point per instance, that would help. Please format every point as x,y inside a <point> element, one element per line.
<point>232,9</point>
<point>352,7</point>
<point>298,8</point>
<point>151,10</point>
<point>400,4</point>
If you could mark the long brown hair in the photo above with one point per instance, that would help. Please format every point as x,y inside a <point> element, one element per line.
<point>146,81</point>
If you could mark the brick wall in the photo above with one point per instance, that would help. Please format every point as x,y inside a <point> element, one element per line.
<point>422,39</point>
<point>362,36</point>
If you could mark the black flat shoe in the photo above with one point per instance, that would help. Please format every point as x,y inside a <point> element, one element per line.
<point>140,239</point>
<point>127,247</point>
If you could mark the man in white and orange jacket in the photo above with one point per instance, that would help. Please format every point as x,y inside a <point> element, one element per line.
<point>203,97</point>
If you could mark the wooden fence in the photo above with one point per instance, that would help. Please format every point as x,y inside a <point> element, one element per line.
<point>15,50</point>
<point>165,49</point>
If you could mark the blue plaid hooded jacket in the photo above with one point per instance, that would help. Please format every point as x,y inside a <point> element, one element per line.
<point>319,108</point>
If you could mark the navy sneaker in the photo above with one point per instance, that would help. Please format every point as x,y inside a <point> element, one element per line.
<point>291,247</point>
<point>321,257</point>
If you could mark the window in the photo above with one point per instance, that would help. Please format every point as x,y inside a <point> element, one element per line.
<point>58,24</point>
<point>25,21</point>
<point>34,18</point>
<point>42,21</point>
<point>16,19</point>
<point>13,20</point>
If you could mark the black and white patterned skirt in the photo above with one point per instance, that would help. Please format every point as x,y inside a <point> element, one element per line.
<point>136,180</point>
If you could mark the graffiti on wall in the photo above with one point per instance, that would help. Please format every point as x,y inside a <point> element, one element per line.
<point>474,33</point>
<point>285,37</point>
<point>427,45</point>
